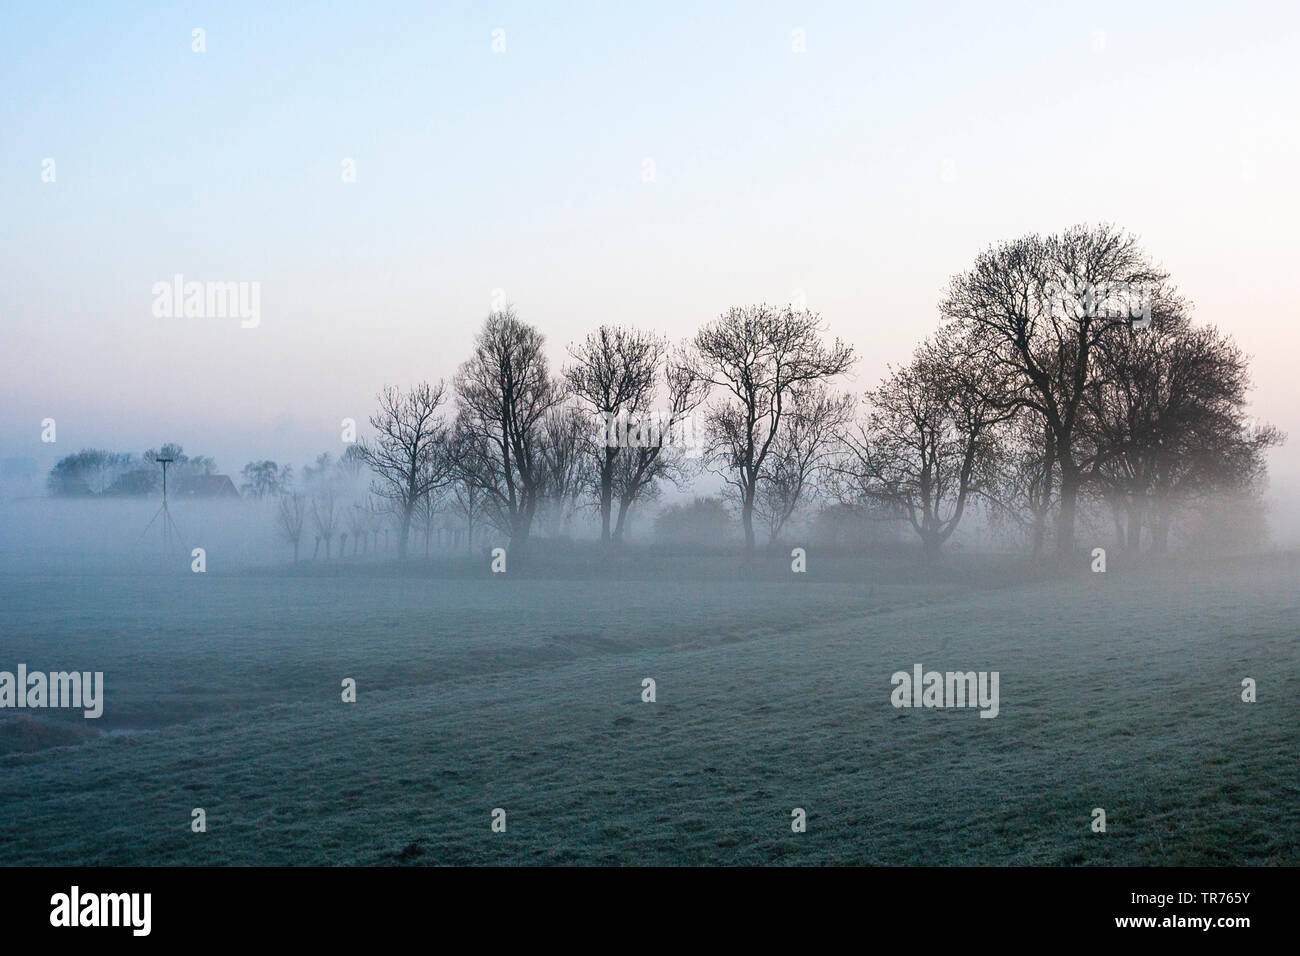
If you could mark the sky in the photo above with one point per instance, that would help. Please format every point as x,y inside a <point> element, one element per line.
<point>652,165</point>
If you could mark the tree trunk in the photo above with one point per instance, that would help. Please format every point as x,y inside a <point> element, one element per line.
<point>1065,520</point>
<point>747,518</point>
<point>1044,506</point>
<point>624,507</point>
<point>606,506</point>
<point>520,529</point>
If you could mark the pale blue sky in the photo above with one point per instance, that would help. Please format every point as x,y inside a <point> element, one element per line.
<point>522,170</point>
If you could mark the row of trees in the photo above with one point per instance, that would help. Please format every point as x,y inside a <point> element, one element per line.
<point>1066,375</point>
<point>100,472</point>
<point>1066,371</point>
<point>615,425</point>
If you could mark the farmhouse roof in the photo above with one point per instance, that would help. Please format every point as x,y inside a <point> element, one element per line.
<point>206,486</point>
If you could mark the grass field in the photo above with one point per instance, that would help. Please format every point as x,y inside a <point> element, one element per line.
<point>523,691</point>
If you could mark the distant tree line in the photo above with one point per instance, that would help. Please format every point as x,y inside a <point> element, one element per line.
<point>97,471</point>
<point>1066,373</point>
<point>1066,381</point>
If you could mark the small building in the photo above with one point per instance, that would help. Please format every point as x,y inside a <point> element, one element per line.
<point>203,486</point>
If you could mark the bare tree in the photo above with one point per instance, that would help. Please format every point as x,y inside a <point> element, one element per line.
<point>409,453</point>
<point>290,514</point>
<point>263,478</point>
<point>90,471</point>
<point>760,356</point>
<point>504,392</point>
<point>1041,308</point>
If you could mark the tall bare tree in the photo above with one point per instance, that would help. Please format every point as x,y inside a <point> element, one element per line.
<point>759,356</point>
<point>505,391</point>
<point>263,478</point>
<point>1041,307</point>
<point>409,454</point>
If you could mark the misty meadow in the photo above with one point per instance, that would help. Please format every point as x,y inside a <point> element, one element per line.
<point>655,601</point>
